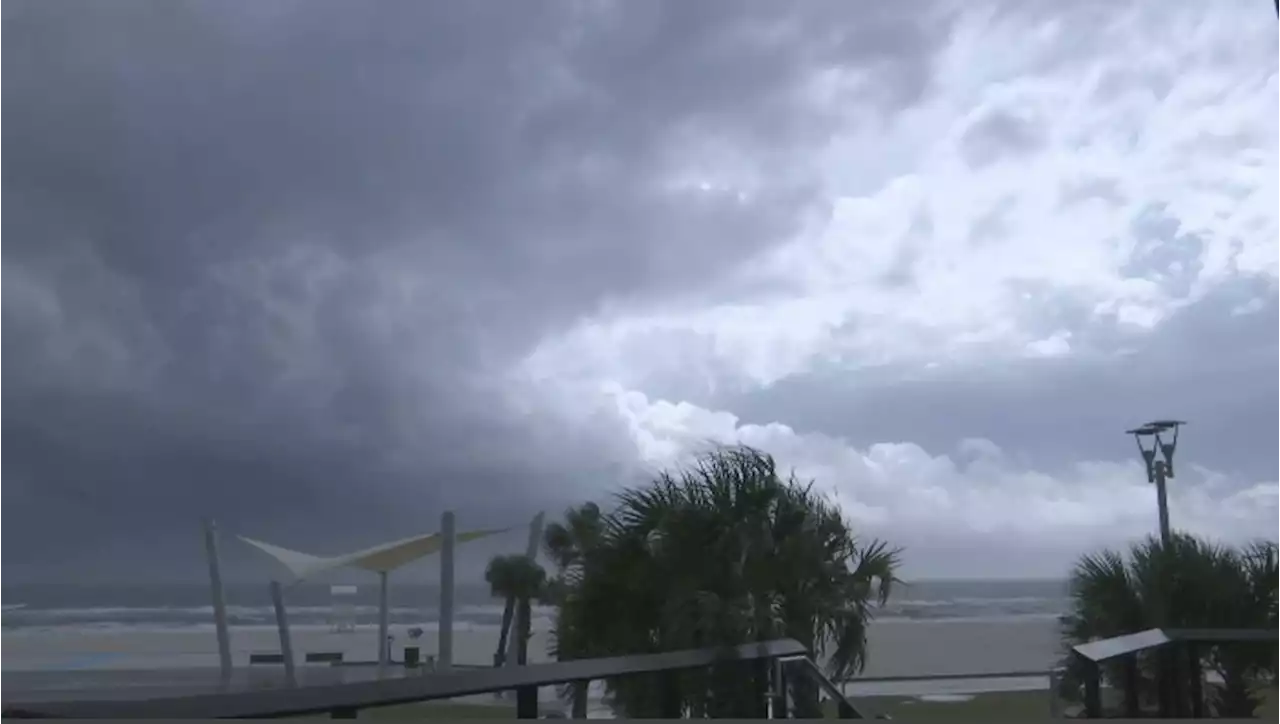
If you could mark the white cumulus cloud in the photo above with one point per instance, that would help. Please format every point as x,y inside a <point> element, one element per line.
<point>1066,180</point>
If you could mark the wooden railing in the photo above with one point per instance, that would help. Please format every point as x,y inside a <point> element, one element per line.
<point>776,660</point>
<point>1179,679</point>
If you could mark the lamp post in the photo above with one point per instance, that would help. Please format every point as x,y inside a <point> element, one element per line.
<point>1159,461</point>
<point>1158,457</point>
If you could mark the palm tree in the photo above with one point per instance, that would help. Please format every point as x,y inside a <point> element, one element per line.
<point>721,553</point>
<point>520,579</point>
<point>1192,584</point>
<point>566,542</point>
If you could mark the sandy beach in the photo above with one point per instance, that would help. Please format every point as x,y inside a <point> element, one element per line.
<point>895,648</point>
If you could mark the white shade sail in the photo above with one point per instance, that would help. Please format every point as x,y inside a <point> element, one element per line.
<point>379,559</point>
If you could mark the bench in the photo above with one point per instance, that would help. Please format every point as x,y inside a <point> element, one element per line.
<point>323,657</point>
<point>311,657</point>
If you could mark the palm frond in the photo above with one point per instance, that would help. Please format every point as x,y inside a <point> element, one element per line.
<point>717,553</point>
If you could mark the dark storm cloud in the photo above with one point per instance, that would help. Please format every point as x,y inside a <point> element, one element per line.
<point>1207,365</point>
<point>260,259</point>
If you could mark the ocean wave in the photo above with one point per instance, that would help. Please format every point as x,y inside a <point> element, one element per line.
<point>168,617</point>
<point>418,606</point>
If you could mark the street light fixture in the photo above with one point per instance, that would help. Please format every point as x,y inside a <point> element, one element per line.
<point>1160,469</point>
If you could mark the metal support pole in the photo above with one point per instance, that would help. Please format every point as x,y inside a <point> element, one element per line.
<point>1162,501</point>
<point>581,690</point>
<point>527,702</point>
<point>1132,704</point>
<point>1166,663</point>
<point>1092,690</point>
<point>1195,680</point>
<point>448,535</point>
<point>282,625</point>
<point>531,552</point>
<point>758,675</point>
<point>778,704</point>
<point>219,600</point>
<point>384,624</point>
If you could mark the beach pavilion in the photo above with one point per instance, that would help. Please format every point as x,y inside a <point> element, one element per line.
<point>383,559</point>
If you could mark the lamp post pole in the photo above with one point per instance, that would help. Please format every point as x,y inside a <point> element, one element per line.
<point>1162,502</point>
<point>1158,458</point>
<point>1159,469</point>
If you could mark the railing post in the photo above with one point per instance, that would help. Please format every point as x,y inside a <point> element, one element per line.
<point>527,702</point>
<point>778,708</point>
<point>1132,704</point>
<point>758,673</point>
<point>1055,693</point>
<point>581,690</point>
<point>1092,690</point>
<point>1195,680</point>
<point>672,702</point>
<point>1166,685</point>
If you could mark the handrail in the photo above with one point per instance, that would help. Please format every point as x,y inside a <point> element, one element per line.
<point>844,708</point>
<point>1095,653</point>
<point>1105,649</point>
<point>348,698</point>
<point>1099,651</point>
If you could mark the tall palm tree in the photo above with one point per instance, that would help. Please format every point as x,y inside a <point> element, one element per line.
<point>1192,584</point>
<point>520,579</point>
<point>723,552</point>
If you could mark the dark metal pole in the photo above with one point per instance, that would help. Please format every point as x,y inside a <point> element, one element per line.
<point>1092,690</point>
<point>282,626</point>
<point>1166,663</point>
<point>778,707</point>
<point>1162,501</point>
<point>1132,703</point>
<point>219,600</point>
<point>581,690</point>
<point>1195,675</point>
<point>527,702</point>
<point>448,544</point>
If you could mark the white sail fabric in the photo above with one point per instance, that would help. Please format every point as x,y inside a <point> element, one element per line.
<point>379,559</point>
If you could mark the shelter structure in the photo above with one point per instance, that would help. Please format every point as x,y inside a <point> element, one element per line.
<point>382,560</point>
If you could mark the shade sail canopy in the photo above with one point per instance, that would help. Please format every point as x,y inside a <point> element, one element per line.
<point>380,559</point>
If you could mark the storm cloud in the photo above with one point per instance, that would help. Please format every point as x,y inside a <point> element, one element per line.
<point>322,270</point>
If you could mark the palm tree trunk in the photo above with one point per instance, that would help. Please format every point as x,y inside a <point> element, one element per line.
<point>524,623</point>
<point>508,612</point>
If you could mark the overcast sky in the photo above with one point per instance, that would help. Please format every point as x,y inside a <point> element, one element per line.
<point>322,270</point>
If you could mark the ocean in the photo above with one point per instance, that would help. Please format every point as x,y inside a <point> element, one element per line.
<point>176,607</point>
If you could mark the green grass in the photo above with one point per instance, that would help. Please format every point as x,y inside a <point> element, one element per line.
<point>1002,706</point>
<point>441,710</point>
<point>1008,706</point>
<point>1020,706</point>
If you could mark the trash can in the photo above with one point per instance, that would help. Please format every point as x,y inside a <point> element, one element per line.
<point>411,657</point>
